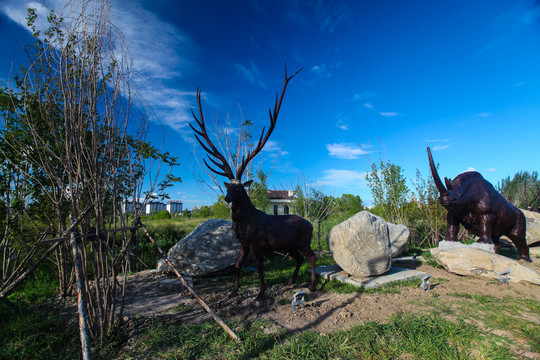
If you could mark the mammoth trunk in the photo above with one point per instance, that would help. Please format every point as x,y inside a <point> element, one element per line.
<point>435,174</point>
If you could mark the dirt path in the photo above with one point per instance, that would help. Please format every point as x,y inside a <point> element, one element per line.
<point>149,293</point>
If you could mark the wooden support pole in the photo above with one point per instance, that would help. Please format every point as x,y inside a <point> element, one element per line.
<point>83,321</point>
<point>197,297</point>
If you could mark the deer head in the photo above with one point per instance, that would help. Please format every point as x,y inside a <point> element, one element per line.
<point>235,188</point>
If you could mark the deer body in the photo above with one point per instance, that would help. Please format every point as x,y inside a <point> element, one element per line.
<point>256,230</point>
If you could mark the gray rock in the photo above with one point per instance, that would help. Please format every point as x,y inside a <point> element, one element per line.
<point>360,245</point>
<point>211,247</point>
<point>446,245</point>
<point>477,262</point>
<point>399,238</point>
<point>533,226</point>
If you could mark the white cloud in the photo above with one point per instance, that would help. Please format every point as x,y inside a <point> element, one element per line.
<point>438,140</point>
<point>368,105</point>
<point>520,83</point>
<point>470,169</point>
<point>251,73</point>
<point>335,177</point>
<point>321,70</point>
<point>440,147</point>
<point>159,50</point>
<point>492,170</point>
<point>343,126</point>
<point>346,151</point>
<point>483,115</point>
<point>389,113</point>
<point>273,148</point>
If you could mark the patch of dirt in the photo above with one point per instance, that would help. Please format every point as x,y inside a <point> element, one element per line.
<point>150,293</point>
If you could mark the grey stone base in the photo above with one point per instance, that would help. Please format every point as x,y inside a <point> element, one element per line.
<point>445,245</point>
<point>334,272</point>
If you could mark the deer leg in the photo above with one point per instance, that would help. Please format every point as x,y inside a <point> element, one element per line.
<point>244,250</point>
<point>312,258</point>
<point>299,259</point>
<point>258,254</point>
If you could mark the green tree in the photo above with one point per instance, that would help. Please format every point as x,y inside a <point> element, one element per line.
<point>430,223</point>
<point>220,210</point>
<point>389,190</point>
<point>523,190</point>
<point>258,192</point>
<point>350,204</point>
<point>76,136</point>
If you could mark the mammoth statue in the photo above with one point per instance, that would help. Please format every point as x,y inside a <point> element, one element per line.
<point>473,202</point>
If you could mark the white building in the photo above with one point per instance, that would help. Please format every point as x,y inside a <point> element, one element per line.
<point>174,206</point>
<point>280,201</point>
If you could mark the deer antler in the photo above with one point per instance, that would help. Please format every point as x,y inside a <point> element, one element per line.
<point>216,157</point>
<point>273,119</point>
<point>210,149</point>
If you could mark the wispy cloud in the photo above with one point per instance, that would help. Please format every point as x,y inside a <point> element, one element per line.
<point>342,123</point>
<point>438,140</point>
<point>470,169</point>
<point>345,151</point>
<point>483,115</point>
<point>321,70</point>
<point>368,105</point>
<point>520,83</point>
<point>492,170</point>
<point>389,113</point>
<point>440,147</point>
<point>273,149</point>
<point>251,73</point>
<point>146,35</point>
<point>336,177</point>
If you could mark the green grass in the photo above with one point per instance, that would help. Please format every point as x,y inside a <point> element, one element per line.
<point>408,336</point>
<point>36,332</point>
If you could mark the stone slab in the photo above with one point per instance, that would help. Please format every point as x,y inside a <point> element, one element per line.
<point>334,272</point>
<point>446,245</point>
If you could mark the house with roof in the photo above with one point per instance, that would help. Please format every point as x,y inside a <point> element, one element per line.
<point>281,201</point>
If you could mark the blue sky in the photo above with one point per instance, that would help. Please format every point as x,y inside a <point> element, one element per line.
<point>379,77</point>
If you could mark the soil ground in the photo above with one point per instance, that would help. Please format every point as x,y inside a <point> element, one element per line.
<point>324,312</point>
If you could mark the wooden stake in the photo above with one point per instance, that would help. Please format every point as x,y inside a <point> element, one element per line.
<point>197,297</point>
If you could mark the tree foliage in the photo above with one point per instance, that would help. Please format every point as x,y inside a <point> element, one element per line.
<point>73,138</point>
<point>389,190</point>
<point>523,190</point>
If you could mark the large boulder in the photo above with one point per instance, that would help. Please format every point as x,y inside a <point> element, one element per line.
<point>211,247</point>
<point>360,245</point>
<point>533,226</point>
<point>477,262</point>
<point>399,238</point>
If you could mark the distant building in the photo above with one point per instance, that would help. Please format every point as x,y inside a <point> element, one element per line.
<point>172,206</point>
<point>280,201</point>
<point>154,206</point>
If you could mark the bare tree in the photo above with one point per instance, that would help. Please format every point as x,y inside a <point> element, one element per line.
<point>84,144</point>
<point>311,202</point>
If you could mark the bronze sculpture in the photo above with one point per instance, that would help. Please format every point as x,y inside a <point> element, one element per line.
<point>473,202</point>
<point>256,230</point>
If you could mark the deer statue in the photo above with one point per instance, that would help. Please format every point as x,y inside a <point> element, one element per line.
<point>256,230</point>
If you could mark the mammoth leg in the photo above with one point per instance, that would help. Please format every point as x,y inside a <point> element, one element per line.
<point>244,250</point>
<point>517,235</point>
<point>259,260</point>
<point>486,228</point>
<point>453,227</point>
<point>308,253</point>
<point>496,245</point>
<point>299,259</point>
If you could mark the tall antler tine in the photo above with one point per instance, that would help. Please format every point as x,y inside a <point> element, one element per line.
<point>212,151</point>
<point>273,119</point>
